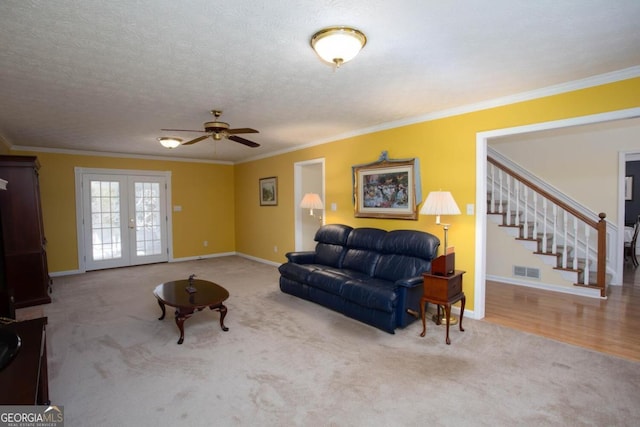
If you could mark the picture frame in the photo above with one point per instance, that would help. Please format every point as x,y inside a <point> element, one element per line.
<point>628,187</point>
<point>385,190</point>
<point>269,191</point>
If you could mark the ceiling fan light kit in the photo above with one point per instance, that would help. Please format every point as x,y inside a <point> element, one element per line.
<point>169,142</point>
<point>337,45</point>
<point>217,130</point>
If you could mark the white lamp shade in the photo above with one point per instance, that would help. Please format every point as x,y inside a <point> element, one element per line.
<point>169,142</point>
<point>439,203</point>
<point>311,201</point>
<point>337,45</point>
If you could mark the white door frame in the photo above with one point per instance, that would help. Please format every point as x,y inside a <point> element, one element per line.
<point>79,172</point>
<point>481,191</point>
<point>297,195</point>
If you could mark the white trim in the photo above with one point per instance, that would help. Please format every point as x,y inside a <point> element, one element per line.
<point>260,260</point>
<point>574,290</point>
<point>481,185</point>
<point>116,155</point>
<point>297,195</point>
<point>65,273</point>
<point>601,79</point>
<point>199,257</point>
<point>612,77</point>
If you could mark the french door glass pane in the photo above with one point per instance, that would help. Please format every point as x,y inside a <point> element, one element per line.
<point>148,227</point>
<point>105,220</point>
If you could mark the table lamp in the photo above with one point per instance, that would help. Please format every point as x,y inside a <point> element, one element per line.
<point>312,201</point>
<point>442,203</point>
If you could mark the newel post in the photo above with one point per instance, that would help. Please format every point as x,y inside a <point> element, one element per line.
<point>602,254</point>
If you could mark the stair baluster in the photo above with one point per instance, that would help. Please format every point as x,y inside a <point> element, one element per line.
<point>564,239</point>
<point>575,245</point>
<point>544,226</point>
<point>525,223</point>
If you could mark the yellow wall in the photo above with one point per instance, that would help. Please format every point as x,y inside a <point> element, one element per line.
<point>220,203</point>
<point>205,192</point>
<point>446,149</point>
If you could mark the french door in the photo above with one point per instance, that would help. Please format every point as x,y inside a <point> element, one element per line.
<point>124,219</point>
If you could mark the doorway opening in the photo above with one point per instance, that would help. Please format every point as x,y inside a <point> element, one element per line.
<point>482,139</point>
<point>308,178</point>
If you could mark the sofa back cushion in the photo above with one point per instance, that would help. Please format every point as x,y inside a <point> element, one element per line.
<point>332,240</point>
<point>364,246</point>
<point>406,253</point>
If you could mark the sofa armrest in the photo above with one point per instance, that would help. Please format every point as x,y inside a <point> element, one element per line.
<point>306,257</point>
<point>410,282</point>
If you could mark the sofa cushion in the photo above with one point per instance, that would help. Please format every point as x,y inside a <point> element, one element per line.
<point>331,240</point>
<point>406,253</point>
<point>331,280</point>
<point>336,234</point>
<point>411,242</point>
<point>299,272</point>
<point>395,267</point>
<point>363,249</point>
<point>373,293</point>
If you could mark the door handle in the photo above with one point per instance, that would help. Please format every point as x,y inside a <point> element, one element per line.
<point>132,223</point>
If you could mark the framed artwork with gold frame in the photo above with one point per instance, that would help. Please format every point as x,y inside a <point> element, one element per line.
<point>386,189</point>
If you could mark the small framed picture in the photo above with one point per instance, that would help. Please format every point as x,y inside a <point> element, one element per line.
<point>269,191</point>
<point>628,187</point>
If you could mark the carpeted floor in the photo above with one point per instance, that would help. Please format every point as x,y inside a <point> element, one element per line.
<point>285,361</point>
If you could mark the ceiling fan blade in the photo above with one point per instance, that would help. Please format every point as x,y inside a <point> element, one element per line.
<point>241,130</point>
<point>198,139</point>
<point>183,130</point>
<point>243,141</point>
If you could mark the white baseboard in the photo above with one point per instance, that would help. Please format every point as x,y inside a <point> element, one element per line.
<point>65,273</point>
<point>195,258</point>
<point>261,260</point>
<point>575,290</point>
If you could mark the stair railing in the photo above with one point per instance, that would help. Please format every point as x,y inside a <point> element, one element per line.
<point>566,232</point>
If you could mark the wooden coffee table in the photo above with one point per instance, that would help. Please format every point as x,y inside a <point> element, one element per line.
<point>203,294</point>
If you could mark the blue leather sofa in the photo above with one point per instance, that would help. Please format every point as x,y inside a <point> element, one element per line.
<point>372,275</point>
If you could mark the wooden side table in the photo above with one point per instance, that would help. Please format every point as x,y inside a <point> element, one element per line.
<point>442,290</point>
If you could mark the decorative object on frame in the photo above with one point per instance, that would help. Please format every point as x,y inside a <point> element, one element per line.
<point>628,187</point>
<point>269,191</point>
<point>387,188</point>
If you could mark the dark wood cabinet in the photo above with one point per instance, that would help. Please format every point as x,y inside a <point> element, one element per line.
<point>24,244</point>
<point>25,381</point>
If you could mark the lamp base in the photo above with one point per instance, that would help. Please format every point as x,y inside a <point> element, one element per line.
<point>443,320</point>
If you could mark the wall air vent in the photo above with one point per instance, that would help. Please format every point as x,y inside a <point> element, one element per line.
<point>528,272</point>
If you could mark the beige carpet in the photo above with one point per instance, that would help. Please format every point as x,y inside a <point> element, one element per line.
<point>285,361</point>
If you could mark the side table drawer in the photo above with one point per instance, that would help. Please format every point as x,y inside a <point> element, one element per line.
<point>442,288</point>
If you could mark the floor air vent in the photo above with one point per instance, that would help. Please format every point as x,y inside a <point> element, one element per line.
<point>528,272</point>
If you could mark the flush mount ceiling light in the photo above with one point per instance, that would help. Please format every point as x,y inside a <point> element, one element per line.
<point>338,45</point>
<point>169,142</point>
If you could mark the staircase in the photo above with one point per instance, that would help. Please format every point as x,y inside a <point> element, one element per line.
<point>572,241</point>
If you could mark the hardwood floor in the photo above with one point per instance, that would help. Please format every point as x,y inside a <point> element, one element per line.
<point>610,326</point>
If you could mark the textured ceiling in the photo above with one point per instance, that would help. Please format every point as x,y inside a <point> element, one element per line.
<point>106,76</point>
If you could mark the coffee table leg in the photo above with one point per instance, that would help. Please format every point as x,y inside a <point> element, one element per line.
<point>223,312</point>
<point>181,316</point>
<point>162,308</point>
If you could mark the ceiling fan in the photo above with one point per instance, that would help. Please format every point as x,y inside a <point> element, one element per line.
<point>218,130</point>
